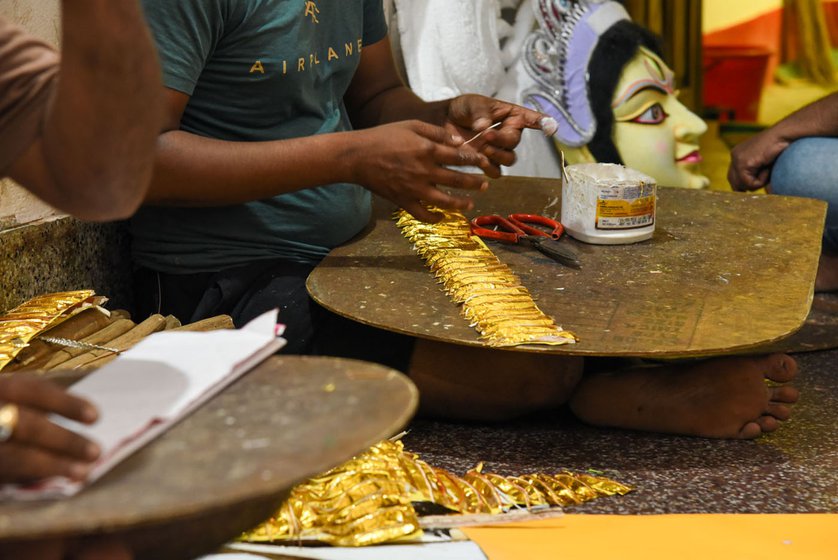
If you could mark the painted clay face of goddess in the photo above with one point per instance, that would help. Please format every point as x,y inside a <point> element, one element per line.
<point>653,131</point>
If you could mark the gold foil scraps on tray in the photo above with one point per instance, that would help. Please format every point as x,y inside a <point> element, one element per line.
<point>28,320</point>
<point>369,499</point>
<point>493,299</point>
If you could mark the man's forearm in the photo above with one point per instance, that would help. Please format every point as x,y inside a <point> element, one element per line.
<point>398,104</point>
<point>378,95</point>
<point>818,119</point>
<point>100,133</point>
<point>192,170</point>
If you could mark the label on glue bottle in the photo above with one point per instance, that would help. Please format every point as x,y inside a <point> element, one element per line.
<point>625,206</point>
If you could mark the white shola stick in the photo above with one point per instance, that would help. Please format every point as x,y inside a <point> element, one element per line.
<point>479,134</point>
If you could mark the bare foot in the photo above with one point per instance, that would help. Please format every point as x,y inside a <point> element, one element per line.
<point>827,278</point>
<point>716,398</point>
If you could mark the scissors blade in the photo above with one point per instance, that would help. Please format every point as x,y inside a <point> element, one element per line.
<point>557,251</point>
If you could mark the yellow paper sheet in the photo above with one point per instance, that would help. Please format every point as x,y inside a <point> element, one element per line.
<point>652,537</point>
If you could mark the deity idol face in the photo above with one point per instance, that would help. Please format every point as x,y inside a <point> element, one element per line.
<point>653,131</point>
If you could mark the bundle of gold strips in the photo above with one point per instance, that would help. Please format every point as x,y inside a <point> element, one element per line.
<point>28,320</point>
<point>369,499</point>
<point>493,299</point>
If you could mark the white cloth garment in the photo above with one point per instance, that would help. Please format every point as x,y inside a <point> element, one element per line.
<point>451,47</point>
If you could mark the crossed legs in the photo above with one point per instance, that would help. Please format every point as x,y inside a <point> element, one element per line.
<point>731,397</point>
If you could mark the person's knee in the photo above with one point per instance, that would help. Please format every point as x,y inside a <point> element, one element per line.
<point>538,390</point>
<point>490,385</point>
<point>494,399</point>
<point>807,168</point>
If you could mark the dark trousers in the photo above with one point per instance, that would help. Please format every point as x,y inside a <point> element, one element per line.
<point>248,291</point>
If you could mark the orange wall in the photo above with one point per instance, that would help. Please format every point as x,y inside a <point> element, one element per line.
<point>755,23</point>
<point>763,31</point>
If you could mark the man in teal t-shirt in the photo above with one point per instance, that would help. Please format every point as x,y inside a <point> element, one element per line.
<point>257,71</point>
<point>260,171</point>
<point>282,114</point>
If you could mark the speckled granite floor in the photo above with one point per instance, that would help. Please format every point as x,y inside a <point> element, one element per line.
<point>793,470</point>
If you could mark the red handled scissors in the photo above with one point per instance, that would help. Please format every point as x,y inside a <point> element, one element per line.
<point>519,227</point>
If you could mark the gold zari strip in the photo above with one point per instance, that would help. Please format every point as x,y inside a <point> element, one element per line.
<point>492,297</point>
<point>369,499</point>
<point>28,320</point>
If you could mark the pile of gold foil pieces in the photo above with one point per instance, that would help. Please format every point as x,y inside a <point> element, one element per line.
<point>28,320</point>
<point>493,299</point>
<point>368,500</point>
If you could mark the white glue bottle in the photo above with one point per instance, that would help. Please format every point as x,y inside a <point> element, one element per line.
<point>608,204</point>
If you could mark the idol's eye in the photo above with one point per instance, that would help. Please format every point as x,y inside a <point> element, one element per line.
<point>653,115</point>
<point>560,7</point>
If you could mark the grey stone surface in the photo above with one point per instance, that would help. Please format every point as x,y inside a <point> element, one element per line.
<point>61,255</point>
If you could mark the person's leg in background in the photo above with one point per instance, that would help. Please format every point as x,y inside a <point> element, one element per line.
<point>243,293</point>
<point>809,168</point>
<point>724,397</point>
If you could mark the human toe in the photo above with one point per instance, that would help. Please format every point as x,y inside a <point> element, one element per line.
<point>784,394</point>
<point>779,411</point>
<point>750,430</point>
<point>780,368</point>
<point>767,423</point>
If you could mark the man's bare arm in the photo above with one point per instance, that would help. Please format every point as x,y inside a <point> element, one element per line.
<point>816,119</point>
<point>95,154</point>
<point>751,161</point>
<point>400,161</point>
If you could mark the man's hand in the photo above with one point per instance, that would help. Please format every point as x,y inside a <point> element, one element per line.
<point>471,114</point>
<point>405,161</point>
<point>38,448</point>
<point>751,161</point>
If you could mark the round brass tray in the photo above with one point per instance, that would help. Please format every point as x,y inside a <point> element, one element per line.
<point>724,272</point>
<point>225,468</point>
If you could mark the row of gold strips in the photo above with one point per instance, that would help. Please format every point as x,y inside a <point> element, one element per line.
<point>369,499</point>
<point>28,320</point>
<point>492,297</point>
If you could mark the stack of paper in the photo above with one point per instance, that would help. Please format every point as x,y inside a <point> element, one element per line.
<point>153,385</point>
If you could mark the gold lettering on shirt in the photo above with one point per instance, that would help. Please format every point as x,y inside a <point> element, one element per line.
<point>308,61</point>
<point>257,67</point>
<point>312,11</point>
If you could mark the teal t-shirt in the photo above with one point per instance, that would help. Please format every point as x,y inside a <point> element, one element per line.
<point>258,70</point>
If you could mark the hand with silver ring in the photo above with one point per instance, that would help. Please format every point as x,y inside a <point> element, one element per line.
<point>33,447</point>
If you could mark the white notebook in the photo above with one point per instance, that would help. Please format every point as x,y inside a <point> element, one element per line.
<point>153,385</point>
